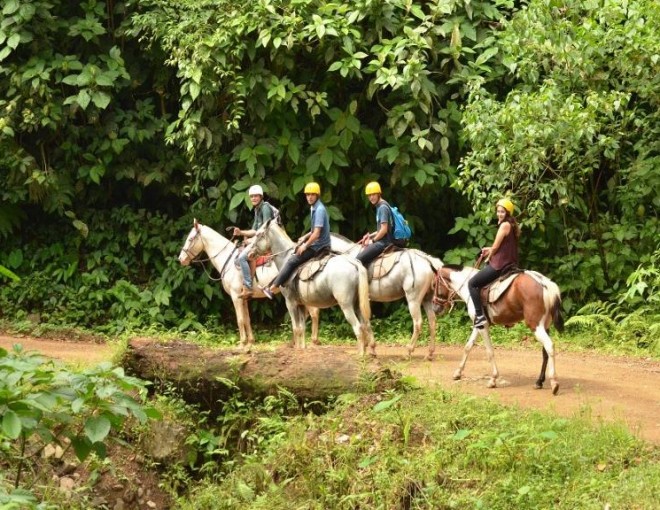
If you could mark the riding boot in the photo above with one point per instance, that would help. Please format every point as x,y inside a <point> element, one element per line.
<point>480,321</point>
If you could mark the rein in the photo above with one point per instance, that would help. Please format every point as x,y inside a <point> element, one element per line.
<point>449,301</point>
<point>202,262</point>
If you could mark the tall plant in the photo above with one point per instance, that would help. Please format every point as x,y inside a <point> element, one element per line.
<point>576,141</point>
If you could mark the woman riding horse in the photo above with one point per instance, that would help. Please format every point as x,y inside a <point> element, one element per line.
<point>501,256</point>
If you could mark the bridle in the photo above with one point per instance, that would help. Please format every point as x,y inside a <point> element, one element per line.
<point>450,300</point>
<point>260,235</point>
<point>446,302</point>
<point>195,260</point>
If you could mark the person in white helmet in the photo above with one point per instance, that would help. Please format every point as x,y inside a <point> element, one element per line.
<point>263,212</point>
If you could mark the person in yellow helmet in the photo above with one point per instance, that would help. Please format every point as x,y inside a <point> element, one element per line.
<point>310,244</point>
<point>375,243</point>
<point>500,257</point>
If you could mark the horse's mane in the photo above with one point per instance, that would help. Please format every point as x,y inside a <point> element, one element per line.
<point>453,267</point>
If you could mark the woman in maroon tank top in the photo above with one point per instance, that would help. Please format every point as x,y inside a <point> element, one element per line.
<point>499,257</point>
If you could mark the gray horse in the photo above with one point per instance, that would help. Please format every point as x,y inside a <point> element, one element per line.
<point>343,281</point>
<point>411,276</point>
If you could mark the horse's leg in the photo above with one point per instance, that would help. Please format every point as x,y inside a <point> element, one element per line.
<point>543,337</point>
<point>485,334</point>
<point>300,313</point>
<point>430,315</point>
<point>356,324</point>
<point>416,313</point>
<point>314,316</point>
<point>466,351</point>
<point>544,364</point>
<point>240,319</point>
<point>249,334</point>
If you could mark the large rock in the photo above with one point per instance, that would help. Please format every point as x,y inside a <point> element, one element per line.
<point>314,374</point>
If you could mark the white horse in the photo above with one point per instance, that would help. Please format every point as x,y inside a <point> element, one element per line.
<point>343,281</point>
<point>411,277</point>
<point>222,254</point>
<point>532,298</point>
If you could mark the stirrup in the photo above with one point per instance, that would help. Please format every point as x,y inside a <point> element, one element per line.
<point>480,321</point>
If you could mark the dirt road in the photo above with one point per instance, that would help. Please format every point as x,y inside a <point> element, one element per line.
<point>603,387</point>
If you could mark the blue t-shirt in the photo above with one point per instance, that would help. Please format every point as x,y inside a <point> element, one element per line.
<point>384,215</point>
<point>321,219</point>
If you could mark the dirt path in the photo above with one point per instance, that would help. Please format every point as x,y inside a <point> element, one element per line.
<point>603,387</point>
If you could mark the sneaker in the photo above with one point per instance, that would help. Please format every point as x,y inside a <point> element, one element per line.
<point>480,321</point>
<point>267,292</point>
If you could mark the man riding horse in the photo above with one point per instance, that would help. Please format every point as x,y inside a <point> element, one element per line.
<point>263,212</point>
<point>310,244</point>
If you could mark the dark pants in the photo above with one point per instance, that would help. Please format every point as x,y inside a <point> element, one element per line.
<point>291,264</point>
<point>479,280</point>
<point>369,253</point>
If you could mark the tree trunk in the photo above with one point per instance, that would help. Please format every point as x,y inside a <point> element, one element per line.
<point>314,374</point>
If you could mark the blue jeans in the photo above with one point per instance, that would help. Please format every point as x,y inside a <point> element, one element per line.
<point>244,264</point>
<point>479,280</point>
<point>291,264</point>
<point>369,253</point>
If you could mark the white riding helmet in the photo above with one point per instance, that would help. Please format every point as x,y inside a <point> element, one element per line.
<point>256,190</point>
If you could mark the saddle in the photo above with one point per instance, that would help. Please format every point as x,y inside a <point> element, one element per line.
<point>384,263</point>
<point>493,291</point>
<point>312,267</point>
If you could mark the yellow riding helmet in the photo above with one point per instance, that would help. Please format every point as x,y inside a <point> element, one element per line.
<point>372,187</point>
<point>312,187</point>
<point>507,204</point>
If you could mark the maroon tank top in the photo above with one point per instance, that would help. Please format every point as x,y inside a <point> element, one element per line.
<point>507,254</point>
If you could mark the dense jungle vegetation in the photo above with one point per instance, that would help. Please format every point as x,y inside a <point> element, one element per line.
<point>120,121</point>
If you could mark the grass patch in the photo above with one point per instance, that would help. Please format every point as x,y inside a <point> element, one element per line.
<point>436,449</point>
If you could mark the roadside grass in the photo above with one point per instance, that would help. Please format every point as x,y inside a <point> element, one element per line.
<point>423,448</point>
<point>434,449</point>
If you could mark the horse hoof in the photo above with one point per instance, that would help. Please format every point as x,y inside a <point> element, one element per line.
<point>492,384</point>
<point>457,376</point>
<point>555,388</point>
<point>538,386</point>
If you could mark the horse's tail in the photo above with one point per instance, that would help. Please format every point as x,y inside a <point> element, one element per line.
<point>552,301</point>
<point>363,291</point>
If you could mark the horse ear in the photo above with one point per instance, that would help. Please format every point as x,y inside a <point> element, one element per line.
<point>195,223</point>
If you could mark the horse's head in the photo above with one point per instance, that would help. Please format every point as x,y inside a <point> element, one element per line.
<point>193,245</point>
<point>260,242</point>
<point>444,294</point>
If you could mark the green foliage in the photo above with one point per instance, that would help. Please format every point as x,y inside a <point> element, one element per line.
<point>436,449</point>
<point>42,403</point>
<point>632,320</point>
<point>575,142</point>
<point>123,275</point>
<point>282,93</point>
<point>82,112</point>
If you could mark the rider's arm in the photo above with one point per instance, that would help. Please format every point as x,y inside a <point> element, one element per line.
<point>311,237</point>
<point>244,233</point>
<point>502,232</point>
<point>381,232</point>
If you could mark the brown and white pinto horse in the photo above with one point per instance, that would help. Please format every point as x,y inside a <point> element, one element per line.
<point>531,298</point>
